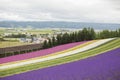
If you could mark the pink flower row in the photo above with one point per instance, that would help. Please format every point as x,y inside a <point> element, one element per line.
<point>39,53</point>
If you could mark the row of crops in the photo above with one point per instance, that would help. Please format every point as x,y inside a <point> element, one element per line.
<point>40,53</point>
<point>72,61</point>
<point>11,51</point>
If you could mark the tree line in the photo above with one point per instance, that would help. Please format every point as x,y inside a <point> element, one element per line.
<point>82,35</point>
<point>16,36</point>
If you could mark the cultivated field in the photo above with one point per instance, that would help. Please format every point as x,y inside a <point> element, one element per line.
<point>102,67</point>
<point>4,44</point>
<point>106,45</point>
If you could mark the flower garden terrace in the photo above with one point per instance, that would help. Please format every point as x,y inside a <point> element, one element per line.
<point>81,51</point>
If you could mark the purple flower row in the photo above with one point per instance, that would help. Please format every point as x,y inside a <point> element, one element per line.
<point>102,67</point>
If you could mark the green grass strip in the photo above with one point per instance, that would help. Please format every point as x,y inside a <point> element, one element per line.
<point>98,50</point>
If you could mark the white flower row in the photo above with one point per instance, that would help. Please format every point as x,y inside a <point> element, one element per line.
<point>90,46</point>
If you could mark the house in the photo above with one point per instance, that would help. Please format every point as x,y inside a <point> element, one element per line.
<point>29,40</point>
<point>22,40</point>
<point>7,34</point>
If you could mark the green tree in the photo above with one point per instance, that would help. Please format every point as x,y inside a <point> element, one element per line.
<point>45,44</point>
<point>91,34</point>
<point>79,35</point>
<point>54,43</point>
<point>118,32</point>
<point>59,39</point>
<point>50,43</point>
<point>84,34</point>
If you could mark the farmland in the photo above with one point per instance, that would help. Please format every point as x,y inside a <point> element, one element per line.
<point>42,31</point>
<point>101,49</point>
<point>10,41</point>
<point>90,46</point>
<point>106,67</point>
<point>60,50</point>
<point>26,30</point>
<point>2,30</point>
<point>10,37</point>
<point>16,50</point>
<point>59,40</point>
<point>4,44</point>
<point>40,53</point>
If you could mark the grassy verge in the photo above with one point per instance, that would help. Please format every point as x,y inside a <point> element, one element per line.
<point>99,50</point>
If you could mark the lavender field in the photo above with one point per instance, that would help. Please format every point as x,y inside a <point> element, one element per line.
<point>102,67</point>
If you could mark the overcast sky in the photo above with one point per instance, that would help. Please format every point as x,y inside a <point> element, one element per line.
<point>107,11</point>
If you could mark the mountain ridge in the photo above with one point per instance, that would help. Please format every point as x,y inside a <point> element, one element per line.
<point>58,24</point>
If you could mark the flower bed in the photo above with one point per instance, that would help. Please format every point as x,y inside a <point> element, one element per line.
<point>102,67</point>
<point>32,61</point>
<point>39,53</point>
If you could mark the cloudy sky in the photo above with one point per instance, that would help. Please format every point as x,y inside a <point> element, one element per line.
<point>107,11</point>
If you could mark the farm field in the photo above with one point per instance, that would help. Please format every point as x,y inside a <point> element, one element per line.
<point>2,30</point>
<point>10,42</point>
<point>59,40</point>
<point>22,63</point>
<point>40,53</point>
<point>4,44</point>
<point>106,67</point>
<point>66,59</point>
<point>42,31</point>
<point>27,30</point>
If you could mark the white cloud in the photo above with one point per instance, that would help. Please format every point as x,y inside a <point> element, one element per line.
<point>63,10</point>
<point>10,16</point>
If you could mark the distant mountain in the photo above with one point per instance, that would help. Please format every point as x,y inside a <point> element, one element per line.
<point>58,24</point>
